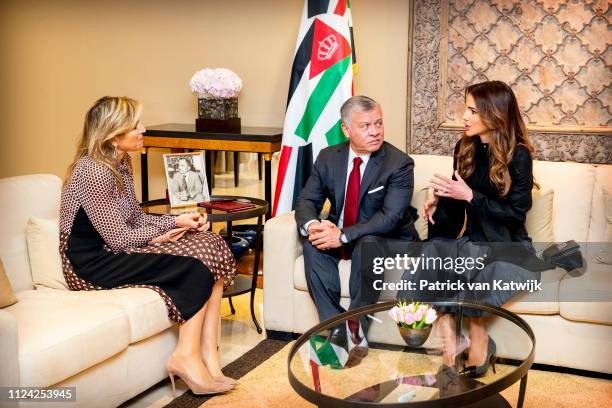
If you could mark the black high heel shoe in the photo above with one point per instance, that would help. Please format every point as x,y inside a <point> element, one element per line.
<point>480,371</point>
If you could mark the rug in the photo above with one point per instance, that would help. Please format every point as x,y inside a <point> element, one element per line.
<point>264,383</point>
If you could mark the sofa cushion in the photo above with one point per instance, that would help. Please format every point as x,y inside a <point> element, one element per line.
<point>544,302</point>
<point>299,277</point>
<point>426,165</point>
<point>42,236</point>
<point>7,297</point>
<point>573,185</point>
<point>146,311</point>
<point>418,201</point>
<point>539,221</point>
<point>587,298</point>
<point>58,339</point>
<point>33,195</point>
<point>605,253</point>
<point>603,182</point>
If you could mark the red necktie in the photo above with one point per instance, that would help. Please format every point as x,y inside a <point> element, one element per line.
<point>351,200</point>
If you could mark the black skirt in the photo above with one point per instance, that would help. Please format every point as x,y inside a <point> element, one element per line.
<point>184,282</point>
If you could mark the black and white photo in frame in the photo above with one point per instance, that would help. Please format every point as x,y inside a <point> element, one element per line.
<point>186,178</point>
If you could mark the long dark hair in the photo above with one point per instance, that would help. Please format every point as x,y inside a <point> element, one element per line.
<point>499,111</point>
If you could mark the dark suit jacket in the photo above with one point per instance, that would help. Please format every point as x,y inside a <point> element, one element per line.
<point>385,212</point>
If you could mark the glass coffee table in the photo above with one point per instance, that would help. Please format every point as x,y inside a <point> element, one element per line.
<point>242,284</point>
<point>392,374</point>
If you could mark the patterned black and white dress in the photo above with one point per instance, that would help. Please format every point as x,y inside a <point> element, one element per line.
<point>104,236</point>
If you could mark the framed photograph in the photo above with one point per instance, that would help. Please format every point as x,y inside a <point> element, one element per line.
<point>186,178</point>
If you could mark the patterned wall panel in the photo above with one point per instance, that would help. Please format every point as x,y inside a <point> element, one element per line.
<point>557,56</point>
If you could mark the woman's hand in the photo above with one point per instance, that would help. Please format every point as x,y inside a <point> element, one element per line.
<point>193,221</point>
<point>430,206</point>
<point>173,235</point>
<point>455,189</point>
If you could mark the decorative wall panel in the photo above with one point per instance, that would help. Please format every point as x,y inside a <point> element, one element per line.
<point>556,55</point>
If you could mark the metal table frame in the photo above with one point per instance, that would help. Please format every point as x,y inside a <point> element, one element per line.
<point>473,396</point>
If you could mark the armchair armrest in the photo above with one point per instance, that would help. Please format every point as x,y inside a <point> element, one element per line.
<point>281,248</point>
<point>9,352</point>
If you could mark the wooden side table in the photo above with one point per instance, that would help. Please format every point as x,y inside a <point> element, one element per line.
<point>264,140</point>
<point>242,284</point>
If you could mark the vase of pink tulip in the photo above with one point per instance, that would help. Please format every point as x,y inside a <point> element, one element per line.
<point>414,321</point>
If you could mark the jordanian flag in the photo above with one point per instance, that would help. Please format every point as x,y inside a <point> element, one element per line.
<point>321,80</point>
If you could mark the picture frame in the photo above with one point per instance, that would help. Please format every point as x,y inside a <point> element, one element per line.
<point>186,179</point>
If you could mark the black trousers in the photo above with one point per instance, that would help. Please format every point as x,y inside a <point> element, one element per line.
<point>323,279</point>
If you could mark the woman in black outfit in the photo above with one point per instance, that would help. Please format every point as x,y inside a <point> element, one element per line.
<point>107,241</point>
<point>491,191</point>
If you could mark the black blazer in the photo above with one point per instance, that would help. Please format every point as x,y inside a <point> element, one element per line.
<point>385,212</point>
<point>490,218</point>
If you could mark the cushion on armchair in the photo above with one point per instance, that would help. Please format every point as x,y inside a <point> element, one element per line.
<point>539,222</point>
<point>42,236</point>
<point>418,201</point>
<point>605,254</point>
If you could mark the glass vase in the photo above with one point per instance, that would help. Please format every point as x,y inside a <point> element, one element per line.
<point>210,107</point>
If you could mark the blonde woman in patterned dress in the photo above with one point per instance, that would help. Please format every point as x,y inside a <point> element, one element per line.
<point>107,241</point>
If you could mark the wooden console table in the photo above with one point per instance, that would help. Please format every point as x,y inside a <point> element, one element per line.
<point>263,140</point>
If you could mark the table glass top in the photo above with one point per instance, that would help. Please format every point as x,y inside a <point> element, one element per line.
<point>331,361</point>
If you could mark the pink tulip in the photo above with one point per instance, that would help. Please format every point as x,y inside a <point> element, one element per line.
<point>393,313</point>
<point>418,315</point>
<point>431,316</point>
<point>408,318</point>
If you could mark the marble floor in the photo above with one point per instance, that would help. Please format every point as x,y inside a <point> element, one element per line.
<point>238,333</point>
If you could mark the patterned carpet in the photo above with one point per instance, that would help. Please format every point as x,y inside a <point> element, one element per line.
<point>264,384</point>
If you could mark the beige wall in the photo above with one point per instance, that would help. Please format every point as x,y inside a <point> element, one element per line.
<point>57,57</point>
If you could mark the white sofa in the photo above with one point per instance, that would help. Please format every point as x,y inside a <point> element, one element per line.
<point>110,345</point>
<point>569,334</point>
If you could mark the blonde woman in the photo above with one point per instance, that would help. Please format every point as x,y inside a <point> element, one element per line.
<point>107,241</point>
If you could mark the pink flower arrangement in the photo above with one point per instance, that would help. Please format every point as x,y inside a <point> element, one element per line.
<point>216,83</point>
<point>413,315</point>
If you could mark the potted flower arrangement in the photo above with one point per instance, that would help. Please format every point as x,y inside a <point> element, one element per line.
<point>414,321</point>
<point>217,91</point>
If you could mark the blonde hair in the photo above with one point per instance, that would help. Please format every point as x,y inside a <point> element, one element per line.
<point>109,117</point>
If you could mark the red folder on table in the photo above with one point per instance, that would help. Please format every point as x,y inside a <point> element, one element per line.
<point>226,205</point>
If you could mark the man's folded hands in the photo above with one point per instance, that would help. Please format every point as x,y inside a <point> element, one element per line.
<point>324,235</point>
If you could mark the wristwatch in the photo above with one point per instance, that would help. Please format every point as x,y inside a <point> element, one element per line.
<point>343,238</point>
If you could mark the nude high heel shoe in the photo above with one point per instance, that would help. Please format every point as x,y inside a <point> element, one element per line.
<point>215,387</point>
<point>224,379</point>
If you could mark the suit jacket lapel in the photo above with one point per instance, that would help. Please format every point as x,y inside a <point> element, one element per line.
<point>339,176</point>
<point>371,171</point>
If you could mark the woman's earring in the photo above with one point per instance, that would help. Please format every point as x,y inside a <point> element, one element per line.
<point>114,151</point>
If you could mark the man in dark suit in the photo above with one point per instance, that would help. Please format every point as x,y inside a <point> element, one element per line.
<point>369,184</point>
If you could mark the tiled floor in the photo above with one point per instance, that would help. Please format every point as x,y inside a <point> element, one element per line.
<point>238,334</point>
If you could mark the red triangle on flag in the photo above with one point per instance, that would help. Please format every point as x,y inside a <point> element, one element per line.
<point>328,47</point>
